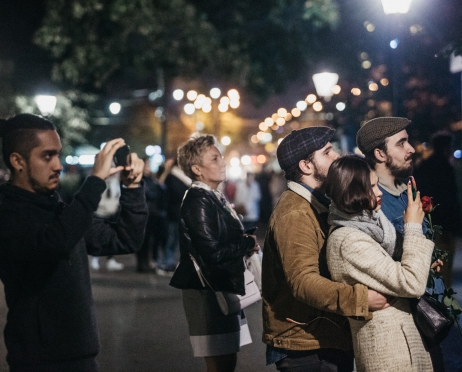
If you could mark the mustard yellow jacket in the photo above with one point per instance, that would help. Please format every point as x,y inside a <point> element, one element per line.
<point>296,283</point>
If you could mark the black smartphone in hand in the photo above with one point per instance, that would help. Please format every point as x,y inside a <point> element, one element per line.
<point>251,231</point>
<point>122,156</point>
<point>413,186</point>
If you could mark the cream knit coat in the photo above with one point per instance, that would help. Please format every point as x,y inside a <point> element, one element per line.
<point>390,341</point>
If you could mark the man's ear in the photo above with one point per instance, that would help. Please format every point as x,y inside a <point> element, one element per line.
<point>196,170</point>
<point>17,161</point>
<point>380,155</point>
<point>306,167</point>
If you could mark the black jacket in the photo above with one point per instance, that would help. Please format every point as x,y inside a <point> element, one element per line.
<point>435,177</point>
<point>44,267</point>
<point>210,233</point>
<point>176,189</point>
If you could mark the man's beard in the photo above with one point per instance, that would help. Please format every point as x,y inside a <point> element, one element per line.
<point>36,185</point>
<point>319,174</point>
<point>399,172</point>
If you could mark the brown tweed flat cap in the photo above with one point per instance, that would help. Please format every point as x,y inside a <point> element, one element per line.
<point>376,130</point>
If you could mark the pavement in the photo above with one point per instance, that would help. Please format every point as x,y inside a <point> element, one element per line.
<point>143,327</point>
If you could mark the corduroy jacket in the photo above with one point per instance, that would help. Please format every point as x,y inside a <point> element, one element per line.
<point>296,283</point>
<point>216,240</point>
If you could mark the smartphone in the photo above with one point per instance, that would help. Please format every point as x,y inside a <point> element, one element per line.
<point>413,186</point>
<point>122,156</point>
<point>251,231</point>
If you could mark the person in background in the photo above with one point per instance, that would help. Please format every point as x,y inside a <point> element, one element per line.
<point>266,202</point>
<point>51,323</point>
<point>211,233</point>
<point>304,312</point>
<point>176,182</point>
<point>277,186</point>
<point>384,142</point>
<point>108,208</point>
<point>436,178</point>
<point>156,228</point>
<point>361,249</point>
<point>71,180</point>
<point>247,200</point>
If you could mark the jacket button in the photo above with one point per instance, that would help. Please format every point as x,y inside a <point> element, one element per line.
<point>278,342</point>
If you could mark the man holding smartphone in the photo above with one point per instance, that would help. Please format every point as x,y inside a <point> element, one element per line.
<point>51,324</point>
<point>384,142</point>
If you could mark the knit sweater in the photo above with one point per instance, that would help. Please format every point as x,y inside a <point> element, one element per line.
<point>390,341</point>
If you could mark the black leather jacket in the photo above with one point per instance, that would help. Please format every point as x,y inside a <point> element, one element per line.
<point>215,238</point>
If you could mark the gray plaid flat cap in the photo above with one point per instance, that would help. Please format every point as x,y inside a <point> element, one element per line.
<point>376,130</point>
<point>299,144</point>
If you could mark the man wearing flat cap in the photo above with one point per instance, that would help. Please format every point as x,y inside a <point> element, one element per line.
<point>304,324</point>
<point>384,142</point>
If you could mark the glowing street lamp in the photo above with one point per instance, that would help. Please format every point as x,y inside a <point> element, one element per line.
<point>396,6</point>
<point>46,104</point>
<point>324,83</point>
<point>115,108</point>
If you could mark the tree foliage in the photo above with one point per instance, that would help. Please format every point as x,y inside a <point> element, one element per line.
<point>70,118</point>
<point>258,45</point>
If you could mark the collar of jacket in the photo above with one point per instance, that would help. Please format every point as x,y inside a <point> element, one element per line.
<point>392,188</point>
<point>306,194</point>
<point>47,201</point>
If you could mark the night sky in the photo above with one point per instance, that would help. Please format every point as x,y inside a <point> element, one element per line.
<point>20,18</point>
<point>18,21</point>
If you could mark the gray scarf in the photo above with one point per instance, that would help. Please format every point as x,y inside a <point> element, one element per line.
<point>376,225</point>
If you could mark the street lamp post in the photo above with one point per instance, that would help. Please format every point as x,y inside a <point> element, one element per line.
<point>324,83</point>
<point>46,104</point>
<point>396,7</point>
<point>215,93</point>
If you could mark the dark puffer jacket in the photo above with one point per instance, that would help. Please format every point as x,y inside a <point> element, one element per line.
<point>44,267</point>
<point>216,239</point>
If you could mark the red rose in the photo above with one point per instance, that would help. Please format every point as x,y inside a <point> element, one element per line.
<point>427,204</point>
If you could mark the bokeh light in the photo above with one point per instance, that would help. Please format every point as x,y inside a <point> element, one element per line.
<point>311,98</point>
<point>282,112</point>
<point>189,108</point>
<point>301,105</point>
<point>191,95</point>
<point>115,108</point>
<point>317,106</point>
<point>178,94</point>
<point>215,92</point>
<point>225,141</point>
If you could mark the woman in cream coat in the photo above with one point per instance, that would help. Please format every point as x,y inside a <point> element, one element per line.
<point>360,250</point>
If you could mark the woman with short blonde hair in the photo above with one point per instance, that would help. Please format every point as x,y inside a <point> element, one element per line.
<point>212,234</point>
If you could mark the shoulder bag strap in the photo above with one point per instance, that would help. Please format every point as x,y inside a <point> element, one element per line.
<point>199,272</point>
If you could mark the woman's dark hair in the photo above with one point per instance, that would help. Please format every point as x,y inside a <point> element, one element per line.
<point>348,184</point>
<point>20,135</point>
